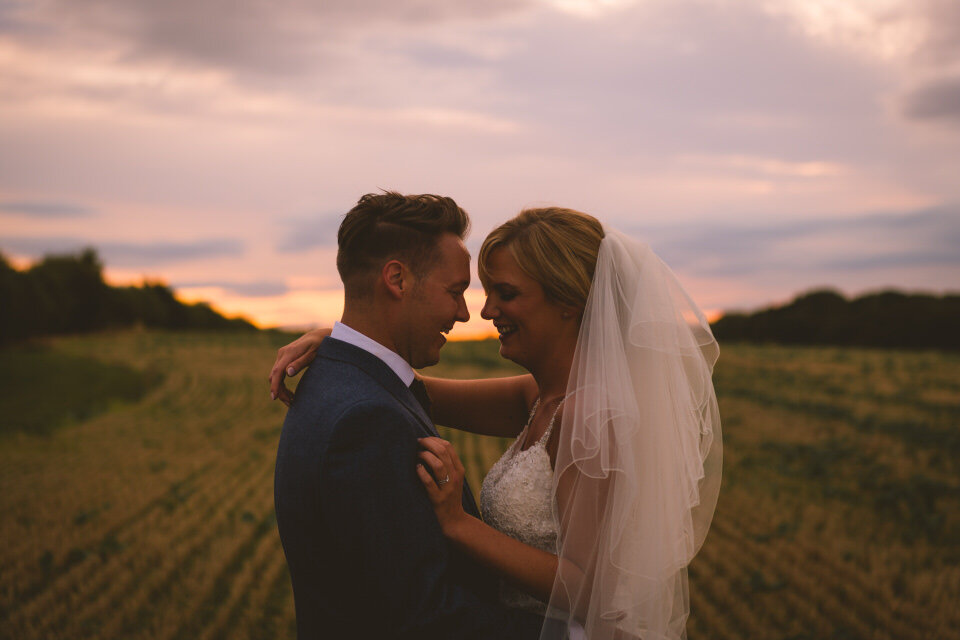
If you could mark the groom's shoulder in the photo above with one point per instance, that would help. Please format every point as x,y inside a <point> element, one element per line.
<point>342,406</point>
<point>332,387</point>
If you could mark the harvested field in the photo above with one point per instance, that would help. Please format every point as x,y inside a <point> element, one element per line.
<point>151,515</point>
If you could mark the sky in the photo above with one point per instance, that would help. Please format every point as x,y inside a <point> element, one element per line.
<point>762,147</point>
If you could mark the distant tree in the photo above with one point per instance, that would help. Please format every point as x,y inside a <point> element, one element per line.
<point>67,294</point>
<point>12,294</point>
<point>885,319</point>
<point>72,292</point>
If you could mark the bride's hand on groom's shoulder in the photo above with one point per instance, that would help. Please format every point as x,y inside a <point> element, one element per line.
<point>291,360</point>
<point>443,481</point>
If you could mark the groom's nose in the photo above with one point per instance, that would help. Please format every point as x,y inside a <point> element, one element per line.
<point>463,314</point>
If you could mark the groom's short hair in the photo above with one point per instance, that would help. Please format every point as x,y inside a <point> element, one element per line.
<point>391,226</point>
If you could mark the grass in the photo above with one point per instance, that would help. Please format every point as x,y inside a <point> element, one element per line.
<point>137,499</point>
<point>42,389</point>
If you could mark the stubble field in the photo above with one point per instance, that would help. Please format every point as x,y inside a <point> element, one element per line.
<point>136,478</point>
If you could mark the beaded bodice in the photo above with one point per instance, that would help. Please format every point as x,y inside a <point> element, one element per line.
<point>516,498</point>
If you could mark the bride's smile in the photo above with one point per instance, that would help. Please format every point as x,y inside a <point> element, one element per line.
<point>531,327</point>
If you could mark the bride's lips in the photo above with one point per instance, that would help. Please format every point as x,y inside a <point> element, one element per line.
<point>505,330</point>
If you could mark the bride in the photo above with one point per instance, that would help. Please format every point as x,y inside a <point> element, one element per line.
<point>593,514</point>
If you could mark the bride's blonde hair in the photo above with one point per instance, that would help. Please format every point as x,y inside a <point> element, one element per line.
<point>557,247</point>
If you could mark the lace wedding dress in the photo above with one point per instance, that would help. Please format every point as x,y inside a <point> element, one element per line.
<point>516,498</point>
<point>640,458</point>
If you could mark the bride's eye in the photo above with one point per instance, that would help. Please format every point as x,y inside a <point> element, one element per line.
<point>505,293</point>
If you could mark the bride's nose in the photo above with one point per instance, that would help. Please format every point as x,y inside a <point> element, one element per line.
<point>489,311</point>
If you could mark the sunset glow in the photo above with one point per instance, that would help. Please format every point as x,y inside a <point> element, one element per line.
<point>761,148</point>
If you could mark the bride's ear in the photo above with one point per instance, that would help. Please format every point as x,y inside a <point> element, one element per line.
<point>569,312</point>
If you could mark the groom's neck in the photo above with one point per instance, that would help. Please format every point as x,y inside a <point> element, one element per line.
<point>366,320</point>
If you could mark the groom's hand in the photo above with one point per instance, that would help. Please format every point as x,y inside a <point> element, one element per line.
<point>291,360</point>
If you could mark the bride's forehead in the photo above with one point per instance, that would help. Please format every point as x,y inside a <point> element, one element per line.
<point>501,262</point>
<point>509,280</point>
<point>500,270</point>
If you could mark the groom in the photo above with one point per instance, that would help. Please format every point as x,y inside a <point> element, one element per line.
<point>366,555</point>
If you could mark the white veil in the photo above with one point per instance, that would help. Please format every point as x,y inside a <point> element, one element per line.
<point>638,468</point>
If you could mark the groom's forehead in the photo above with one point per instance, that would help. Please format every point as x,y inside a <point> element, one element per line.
<point>457,272</point>
<point>453,249</point>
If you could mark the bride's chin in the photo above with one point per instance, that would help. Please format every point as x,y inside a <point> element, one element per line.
<point>508,352</point>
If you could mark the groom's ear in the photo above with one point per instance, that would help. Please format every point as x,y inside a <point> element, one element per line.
<point>396,278</point>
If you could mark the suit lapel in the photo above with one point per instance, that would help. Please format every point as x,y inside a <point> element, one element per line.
<point>384,376</point>
<point>381,373</point>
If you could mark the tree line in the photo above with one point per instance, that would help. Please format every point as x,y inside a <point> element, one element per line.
<point>67,294</point>
<point>889,319</point>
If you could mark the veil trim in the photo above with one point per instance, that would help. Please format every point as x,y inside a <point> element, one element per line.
<point>638,467</point>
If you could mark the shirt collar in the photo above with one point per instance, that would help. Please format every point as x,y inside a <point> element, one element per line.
<point>390,358</point>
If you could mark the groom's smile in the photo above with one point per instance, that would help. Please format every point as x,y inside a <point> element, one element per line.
<point>437,302</point>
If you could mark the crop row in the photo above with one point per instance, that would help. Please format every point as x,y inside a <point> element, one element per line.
<point>155,521</point>
<point>149,555</point>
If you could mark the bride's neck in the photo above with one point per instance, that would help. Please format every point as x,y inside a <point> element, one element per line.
<point>553,374</point>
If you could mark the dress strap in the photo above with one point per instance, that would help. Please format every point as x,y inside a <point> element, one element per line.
<point>533,410</point>
<point>523,432</point>
<point>553,418</point>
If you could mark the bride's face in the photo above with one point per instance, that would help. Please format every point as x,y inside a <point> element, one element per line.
<point>532,328</point>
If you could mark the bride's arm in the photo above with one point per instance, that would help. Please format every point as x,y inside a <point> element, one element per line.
<point>531,569</point>
<point>291,359</point>
<point>492,406</point>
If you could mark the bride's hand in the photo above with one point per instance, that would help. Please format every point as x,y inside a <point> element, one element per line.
<point>446,491</point>
<point>291,359</point>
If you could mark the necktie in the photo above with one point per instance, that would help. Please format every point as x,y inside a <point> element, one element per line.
<point>419,391</point>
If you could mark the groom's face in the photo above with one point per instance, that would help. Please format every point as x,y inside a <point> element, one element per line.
<point>435,304</point>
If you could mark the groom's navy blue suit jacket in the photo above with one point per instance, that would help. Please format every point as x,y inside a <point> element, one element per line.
<point>366,554</point>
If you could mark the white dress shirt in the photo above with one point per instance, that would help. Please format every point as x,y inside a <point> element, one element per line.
<point>390,358</point>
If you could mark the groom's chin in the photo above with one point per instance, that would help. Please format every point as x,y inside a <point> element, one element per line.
<point>440,344</point>
<point>428,359</point>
